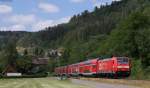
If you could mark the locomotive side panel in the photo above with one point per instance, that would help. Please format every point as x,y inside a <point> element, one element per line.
<point>89,67</point>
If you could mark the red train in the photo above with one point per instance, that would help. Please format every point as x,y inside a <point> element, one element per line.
<point>112,67</point>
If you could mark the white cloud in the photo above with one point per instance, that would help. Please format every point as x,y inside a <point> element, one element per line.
<point>98,4</point>
<point>62,20</point>
<point>49,23</point>
<point>22,19</point>
<point>77,1</point>
<point>116,0</point>
<point>30,23</point>
<point>18,22</point>
<point>49,8</point>
<point>41,25</point>
<point>16,27</point>
<point>5,9</point>
<point>103,2</point>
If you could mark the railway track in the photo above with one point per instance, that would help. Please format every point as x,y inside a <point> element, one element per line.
<point>137,83</point>
<point>93,84</point>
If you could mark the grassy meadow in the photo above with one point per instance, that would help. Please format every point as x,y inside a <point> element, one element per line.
<point>37,83</point>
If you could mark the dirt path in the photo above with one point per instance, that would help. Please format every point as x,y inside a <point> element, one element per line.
<point>92,84</point>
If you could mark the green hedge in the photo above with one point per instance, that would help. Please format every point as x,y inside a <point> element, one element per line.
<point>139,72</point>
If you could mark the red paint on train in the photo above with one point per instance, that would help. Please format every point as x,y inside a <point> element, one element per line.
<point>115,66</point>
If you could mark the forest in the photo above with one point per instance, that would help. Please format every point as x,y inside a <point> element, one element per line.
<point>120,29</point>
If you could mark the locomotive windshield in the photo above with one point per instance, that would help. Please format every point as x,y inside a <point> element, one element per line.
<point>122,60</point>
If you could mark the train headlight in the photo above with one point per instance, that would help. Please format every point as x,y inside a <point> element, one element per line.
<point>113,66</point>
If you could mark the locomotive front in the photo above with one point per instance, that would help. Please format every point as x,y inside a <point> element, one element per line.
<point>123,66</point>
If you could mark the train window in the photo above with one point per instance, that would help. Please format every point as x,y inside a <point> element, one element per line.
<point>87,71</point>
<point>81,68</point>
<point>122,60</point>
<point>94,66</point>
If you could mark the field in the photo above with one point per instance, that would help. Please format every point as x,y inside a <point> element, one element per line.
<point>72,83</point>
<point>37,83</point>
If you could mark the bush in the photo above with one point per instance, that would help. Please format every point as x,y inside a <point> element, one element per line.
<point>147,73</point>
<point>137,71</point>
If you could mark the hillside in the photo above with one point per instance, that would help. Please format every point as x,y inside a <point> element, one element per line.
<point>6,36</point>
<point>82,26</point>
<point>122,29</point>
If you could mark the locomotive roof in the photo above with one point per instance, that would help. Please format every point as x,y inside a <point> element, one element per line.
<point>105,59</point>
<point>74,64</point>
<point>90,61</point>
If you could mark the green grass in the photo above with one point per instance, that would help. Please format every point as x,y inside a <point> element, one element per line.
<point>37,83</point>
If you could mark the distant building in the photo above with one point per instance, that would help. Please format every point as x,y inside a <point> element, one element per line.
<point>37,63</point>
<point>40,61</point>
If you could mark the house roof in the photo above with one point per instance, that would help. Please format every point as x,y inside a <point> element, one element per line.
<point>40,61</point>
<point>9,69</point>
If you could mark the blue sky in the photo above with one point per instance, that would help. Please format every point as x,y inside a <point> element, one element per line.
<point>35,15</point>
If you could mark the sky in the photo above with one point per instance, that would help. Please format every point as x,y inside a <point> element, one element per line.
<point>35,15</point>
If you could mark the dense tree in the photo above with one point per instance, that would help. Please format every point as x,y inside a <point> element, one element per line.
<point>11,53</point>
<point>25,52</point>
<point>131,38</point>
<point>24,64</point>
<point>2,62</point>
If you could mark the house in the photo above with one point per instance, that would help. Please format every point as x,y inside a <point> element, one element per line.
<point>37,63</point>
<point>40,61</point>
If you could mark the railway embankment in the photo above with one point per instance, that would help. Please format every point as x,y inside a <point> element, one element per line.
<point>135,83</point>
